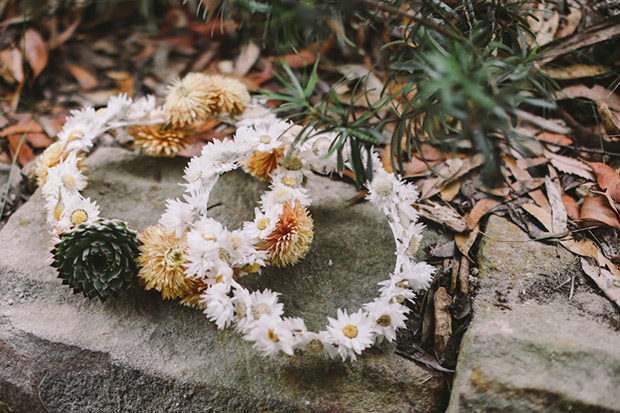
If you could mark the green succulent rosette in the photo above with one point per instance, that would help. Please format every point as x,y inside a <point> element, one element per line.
<point>98,259</point>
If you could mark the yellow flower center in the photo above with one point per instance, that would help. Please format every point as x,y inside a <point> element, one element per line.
<point>240,309</point>
<point>262,223</point>
<point>321,147</point>
<point>398,299</point>
<point>75,134</point>
<point>209,237</point>
<point>224,255</point>
<point>57,212</point>
<point>69,181</point>
<point>272,336</point>
<point>281,195</point>
<point>314,346</point>
<point>402,284</point>
<point>78,216</point>
<point>384,188</point>
<point>413,246</point>
<point>264,139</point>
<point>385,320</point>
<point>350,331</point>
<point>219,279</point>
<point>174,257</point>
<point>293,164</point>
<point>235,240</point>
<point>289,181</point>
<point>260,309</point>
<point>250,268</point>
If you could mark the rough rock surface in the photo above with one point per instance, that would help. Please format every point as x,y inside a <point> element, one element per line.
<point>62,353</point>
<point>529,348</point>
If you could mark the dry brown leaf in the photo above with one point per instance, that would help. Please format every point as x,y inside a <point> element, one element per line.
<point>35,50</point>
<point>572,209</point>
<point>368,91</point>
<point>86,79</point>
<point>525,163</point>
<point>301,59</point>
<point>25,154</point>
<point>247,58</point>
<point>559,217</point>
<point>541,215</point>
<point>528,182</point>
<point>442,215</point>
<point>570,22</point>
<point>454,169</point>
<point>594,34</point>
<point>479,210</point>
<point>443,320</point>
<point>607,280</point>
<point>450,191</point>
<point>607,179</point>
<point>596,93</point>
<point>596,212</point>
<point>23,127</point>
<point>609,118</point>
<point>555,138</point>
<point>39,140</point>
<point>11,67</point>
<point>583,248</point>
<point>465,240</point>
<point>570,166</point>
<point>576,71</point>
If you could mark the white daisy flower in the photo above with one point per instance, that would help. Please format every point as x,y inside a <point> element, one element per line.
<point>221,156</point>
<point>410,240</point>
<point>64,180</point>
<point>179,216</point>
<point>255,113</point>
<point>242,301</point>
<point>270,336</point>
<point>265,303</point>
<point>316,343</point>
<point>219,307</point>
<point>267,136</point>
<point>281,194</point>
<point>387,317</point>
<point>287,177</point>
<point>81,128</point>
<point>203,247</point>
<point>350,333</point>
<point>297,327</point>
<point>417,274</point>
<point>76,211</point>
<point>396,290</point>
<point>141,108</point>
<point>264,223</point>
<point>383,189</point>
<point>317,154</point>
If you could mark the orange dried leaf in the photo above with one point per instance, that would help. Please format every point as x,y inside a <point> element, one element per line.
<point>35,50</point>
<point>86,79</point>
<point>24,127</point>
<point>607,179</point>
<point>572,209</point>
<point>11,65</point>
<point>25,154</point>
<point>596,212</point>
<point>479,210</point>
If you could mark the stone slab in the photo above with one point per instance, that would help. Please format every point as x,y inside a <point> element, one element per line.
<point>529,348</point>
<point>62,353</point>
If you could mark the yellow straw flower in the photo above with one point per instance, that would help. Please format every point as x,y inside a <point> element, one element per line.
<point>157,140</point>
<point>188,100</point>
<point>291,239</point>
<point>161,260</point>
<point>261,164</point>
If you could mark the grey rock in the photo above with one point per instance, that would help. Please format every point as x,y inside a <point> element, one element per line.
<point>529,348</point>
<point>62,353</point>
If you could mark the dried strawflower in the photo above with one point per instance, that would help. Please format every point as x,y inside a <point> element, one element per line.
<point>227,94</point>
<point>52,156</point>
<point>158,140</point>
<point>291,239</point>
<point>262,164</point>
<point>188,100</point>
<point>161,259</point>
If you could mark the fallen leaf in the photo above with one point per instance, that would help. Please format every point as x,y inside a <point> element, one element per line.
<point>450,191</point>
<point>479,210</point>
<point>247,58</point>
<point>86,79</point>
<point>576,71</point>
<point>442,215</point>
<point>554,137</point>
<point>525,163</point>
<point>23,127</point>
<point>11,67</point>
<point>35,50</point>
<point>300,60</point>
<point>522,175</point>
<point>367,92</point>
<point>596,93</point>
<point>572,209</point>
<point>558,211</point>
<point>570,166</point>
<point>596,212</point>
<point>454,169</point>
<point>465,240</point>
<point>607,179</point>
<point>606,280</point>
<point>609,119</point>
<point>25,154</point>
<point>570,22</point>
<point>540,214</point>
<point>443,251</point>
<point>443,320</point>
<point>584,248</point>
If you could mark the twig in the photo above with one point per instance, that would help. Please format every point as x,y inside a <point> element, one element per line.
<point>575,148</point>
<point>572,287</point>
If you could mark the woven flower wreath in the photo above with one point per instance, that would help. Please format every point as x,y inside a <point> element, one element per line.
<point>192,257</point>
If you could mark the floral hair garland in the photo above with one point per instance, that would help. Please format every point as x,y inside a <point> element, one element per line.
<point>191,256</point>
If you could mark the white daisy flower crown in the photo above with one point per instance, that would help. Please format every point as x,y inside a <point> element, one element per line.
<point>209,255</point>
